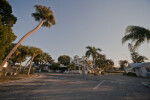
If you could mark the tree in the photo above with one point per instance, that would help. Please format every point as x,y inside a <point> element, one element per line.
<point>38,59</point>
<point>7,19</point>
<point>47,58</point>
<point>123,63</point>
<point>141,59</point>
<point>100,61</point>
<point>23,54</point>
<point>33,52</point>
<point>71,66</point>
<point>64,59</point>
<point>108,64</point>
<point>92,51</point>
<point>19,55</point>
<point>136,34</point>
<point>47,18</point>
<point>103,63</point>
<point>55,66</point>
<point>136,57</point>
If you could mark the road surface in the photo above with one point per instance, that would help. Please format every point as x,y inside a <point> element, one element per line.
<point>50,86</point>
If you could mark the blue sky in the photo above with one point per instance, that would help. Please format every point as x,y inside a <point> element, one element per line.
<point>79,23</point>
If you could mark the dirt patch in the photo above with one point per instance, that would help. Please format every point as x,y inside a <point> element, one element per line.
<point>4,79</point>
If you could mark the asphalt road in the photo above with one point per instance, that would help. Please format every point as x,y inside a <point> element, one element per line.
<point>76,87</point>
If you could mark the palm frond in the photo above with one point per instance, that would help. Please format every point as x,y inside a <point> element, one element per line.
<point>88,53</point>
<point>46,24</point>
<point>37,16</point>
<point>98,49</point>
<point>136,34</point>
<point>138,43</point>
<point>51,19</point>
<point>44,13</point>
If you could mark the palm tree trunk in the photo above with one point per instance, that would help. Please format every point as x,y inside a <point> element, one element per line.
<point>20,65</point>
<point>20,41</point>
<point>27,63</point>
<point>30,65</point>
<point>94,65</point>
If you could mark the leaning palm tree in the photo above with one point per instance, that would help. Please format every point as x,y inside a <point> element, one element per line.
<point>136,57</point>
<point>43,14</point>
<point>92,51</point>
<point>136,34</point>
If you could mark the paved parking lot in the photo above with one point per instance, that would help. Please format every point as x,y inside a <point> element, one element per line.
<point>76,87</point>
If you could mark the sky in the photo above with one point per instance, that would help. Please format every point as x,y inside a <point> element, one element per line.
<point>81,23</point>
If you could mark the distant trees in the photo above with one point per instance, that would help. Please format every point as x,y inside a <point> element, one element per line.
<point>47,59</point>
<point>71,66</point>
<point>7,20</point>
<point>103,63</point>
<point>92,51</point>
<point>123,64</point>
<point>47,18</point>
<point>54,66</point>
<point>23,52</point>
<point>137,35</point>
<point>43,58</point>
<point>64,59</point>
<point>99,60</point>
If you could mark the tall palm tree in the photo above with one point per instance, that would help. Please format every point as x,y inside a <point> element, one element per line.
<point>92,51</point>
<point>136,34</point>
<point>43,14</point>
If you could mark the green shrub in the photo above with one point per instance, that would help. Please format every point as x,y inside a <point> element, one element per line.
<point>71,66</point>
<point>102,73</point>
<point>54,66</point>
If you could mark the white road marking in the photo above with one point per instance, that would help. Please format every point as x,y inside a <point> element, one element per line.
<point>98,84</point>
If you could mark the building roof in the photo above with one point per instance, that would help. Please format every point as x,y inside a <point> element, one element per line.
<point>138,65</point>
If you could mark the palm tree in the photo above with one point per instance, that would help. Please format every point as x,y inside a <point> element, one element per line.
<point>123,63</point>
<point>92,51</point>
<point>136,34</point>
<point>33,52</point>
<point>136,57</point>
<point>47,18</point>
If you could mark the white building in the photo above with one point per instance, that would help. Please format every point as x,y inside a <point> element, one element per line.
<point>82,63</point>
<point>140,69</point>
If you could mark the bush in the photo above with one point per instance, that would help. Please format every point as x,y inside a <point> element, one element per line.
<point>131,74</point>
<point>54,66</point>
<point>71,66</point>
<point>102,73</point>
